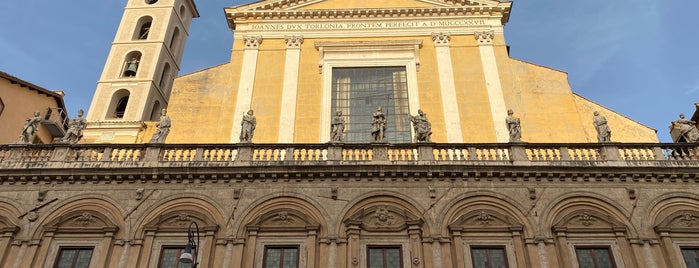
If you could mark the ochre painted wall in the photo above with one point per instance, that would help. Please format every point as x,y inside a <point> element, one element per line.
<point>21,103</point>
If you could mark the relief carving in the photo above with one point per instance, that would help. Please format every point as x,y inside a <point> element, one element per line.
<point>252,41</point>
<point>485,37</point>
<point>293,41</point>
<point>85,219</point>
<point>383,217</point>
<point>441,38</point>
<point>183,219</point>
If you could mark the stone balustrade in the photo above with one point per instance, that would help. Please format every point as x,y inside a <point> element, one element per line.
<point>16,156</point>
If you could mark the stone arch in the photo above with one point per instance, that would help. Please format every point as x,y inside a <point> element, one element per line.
<point>197,207</point>
<point>383,221</point>
<point>584,221</point>
<point>674,219</point>
<point>9,225</point>
<point>488,200</point>
<point>90,221</point>
<point>561,206</point>
<point>281,220</point>
<point>118,104</point>
<point>667,204</point>
<point>387,197</point>
<point>297,206</point>
<point>485,219</point>
<point>108,209</point>
<point>167,223</point>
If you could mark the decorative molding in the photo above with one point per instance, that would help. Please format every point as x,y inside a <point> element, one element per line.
<point>85,219</point>
<point>484,38</point>
<point>252,42</point>
<point>441,39</point>
<point>293,41</point>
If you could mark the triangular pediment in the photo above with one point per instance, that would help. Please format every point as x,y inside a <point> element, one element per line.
<point>288,5</point>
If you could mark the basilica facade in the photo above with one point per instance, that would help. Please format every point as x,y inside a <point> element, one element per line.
<point>516,171</point>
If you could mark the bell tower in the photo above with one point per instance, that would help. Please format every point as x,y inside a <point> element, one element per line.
<point>137,78</point>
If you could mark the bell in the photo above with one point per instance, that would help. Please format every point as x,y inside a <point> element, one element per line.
<point>131,69</point>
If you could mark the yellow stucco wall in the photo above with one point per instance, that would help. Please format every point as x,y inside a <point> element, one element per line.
<point>308,98</point>
<point>21,103</point>
<point>267,92</point>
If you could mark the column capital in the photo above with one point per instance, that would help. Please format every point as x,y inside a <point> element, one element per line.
<point>441,39</point>
<point>252,42</point>
<point>485,37</point>
<point>293,41</point>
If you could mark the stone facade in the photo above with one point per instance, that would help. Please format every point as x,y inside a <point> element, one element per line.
<point>538,202</point>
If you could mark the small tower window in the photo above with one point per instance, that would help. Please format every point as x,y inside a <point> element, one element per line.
<point>182,10</point>
<point>131,64</point>
<point>150,2</point>
<point>155,112</point>
<point>120,100</point>
<point>143,28</point>
<point>174,40</point>
<point>165,76</point>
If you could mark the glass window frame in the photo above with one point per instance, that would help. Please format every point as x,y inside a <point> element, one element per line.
<point>282,247</point>
<point>695,249</point>
<point>384,247</point>
<point>180,249</point>
<point>488,248</point>
<point>62,249</point>
<point>592,250</point>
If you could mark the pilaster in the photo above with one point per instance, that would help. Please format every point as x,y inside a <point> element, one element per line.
<point>247,83</point>
<point>452,120</point>
<point>493,85</point>
<point>290,89</point>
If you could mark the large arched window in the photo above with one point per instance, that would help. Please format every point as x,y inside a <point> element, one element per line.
<point>117,107</point>
<point>131,64</point>
<point>143,28</point>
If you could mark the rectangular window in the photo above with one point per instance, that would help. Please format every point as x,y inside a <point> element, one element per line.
<point>281,257</point>
<point>594,257</point>
<point>170,257</point>
<point>489,257</point>
<point>384,257</point>
<point>691,257</point>
<point>357,92</point>
<point>74,257</point>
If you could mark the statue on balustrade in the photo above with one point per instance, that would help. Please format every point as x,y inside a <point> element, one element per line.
<point>378,125</point>
<point>248,125</point>
<point>513,126</point>
<point>604,134</point>
<point>337,128</point>
<point>75,129</point>
<point>163,126</point>
<point>686,129</point>
<point>31,127</point>
<point>422,126</point>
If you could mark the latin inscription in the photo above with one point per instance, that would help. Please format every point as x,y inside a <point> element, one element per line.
<point>366,25</point>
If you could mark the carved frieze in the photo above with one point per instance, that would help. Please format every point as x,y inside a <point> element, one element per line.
<point>383,218</point>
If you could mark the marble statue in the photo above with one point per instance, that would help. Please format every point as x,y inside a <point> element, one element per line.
<point>31,127</point>
<point>423,127</point>
<point>163,126</point>
<point>75,129</point>
<point>378,125</point>
<point>604,134</point>
<point>248,125</point>
<point>688,129</point>
<point>337,127</point>
<point>513,126</point>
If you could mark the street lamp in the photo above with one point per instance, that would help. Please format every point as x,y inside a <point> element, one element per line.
<point>187,256</point>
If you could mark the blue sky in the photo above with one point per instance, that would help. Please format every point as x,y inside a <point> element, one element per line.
<point>637,57</point>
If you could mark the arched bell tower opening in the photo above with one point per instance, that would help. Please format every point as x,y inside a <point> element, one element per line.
<point>143,62</point>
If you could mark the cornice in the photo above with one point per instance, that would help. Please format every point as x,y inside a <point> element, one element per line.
<point>235,16</point>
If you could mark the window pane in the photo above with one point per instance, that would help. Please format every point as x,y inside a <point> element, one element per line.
<point>385,257</point>
<point>170,258</point>
<point>594,257</point>
<point>489,257</point>
<point>74,258</point>
<point>357,92</point>
<point>691,257</point>
<point>281,257</point>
